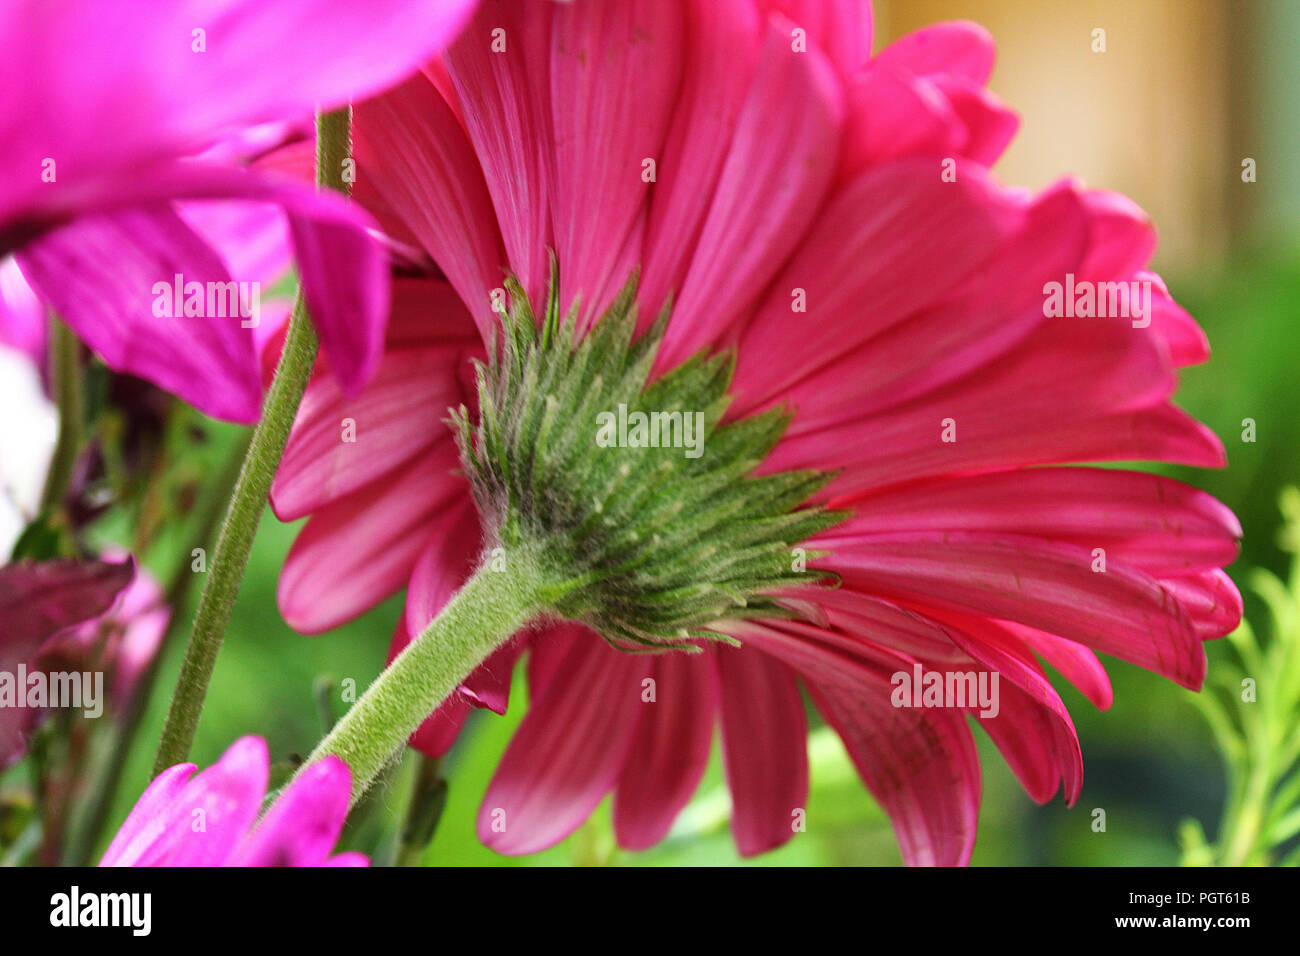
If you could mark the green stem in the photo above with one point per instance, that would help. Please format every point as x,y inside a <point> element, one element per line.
<point>176,597</point>
<point>230,558</point>
<point>428,797</point>
<point>1242,834</point>
<point>482,615</point>
<point>65,373</point>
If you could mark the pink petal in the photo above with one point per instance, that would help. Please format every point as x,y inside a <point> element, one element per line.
<point>839,28</point>
<point>896,238</point>
<point>764,745</point>
<point>984,318</point>
<point>140,828</point>
<point>1057,754</point>
<point>1046,585</point>
<point>156,96</point>
<point>893,114</point>
<point>549,650</point>
<point>345,281</point>
<point>209,818</point>
<point>268,62</point>
<point>252,237</point>
<point>38,600</point>
<point>879,632</point>
<point>1075,390</point>
<point>1123,238</point>
<point>453,553</point>
<point>489,684</point>
<point>1077,664</point>
<point>253,241</point>
<point>723,45</point>
<point>507,113</point>
<point>794,100</point>
<point>567,753</point>
<point>22,315</point>
<point>1034,744</point>
<point>956,48</point>
<point>1210,600</point>
<point>1185,338</point>
<point>1139,519</point>
<point>427,313</point>
<point>615,69</point>
<point>339,446</point>
<point>355,552</point>
<point>421,163</point>
<point>202,822</point>
<point>990,124</point>
<point>303,825</point>
<point>920,764</point>
<point>344,270</point>
<point>671,749</point>
<point>99,274</point>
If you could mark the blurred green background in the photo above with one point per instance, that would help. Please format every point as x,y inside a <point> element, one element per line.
<point>1230,253</point>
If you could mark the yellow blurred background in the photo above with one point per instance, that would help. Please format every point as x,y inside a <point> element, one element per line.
<point>1184,91</point>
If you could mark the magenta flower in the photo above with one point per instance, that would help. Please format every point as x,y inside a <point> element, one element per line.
<point>120,133</point>
<point>211,819</point>
<point>123,641</point>
<point>38,601</point>
<point>829,216</point>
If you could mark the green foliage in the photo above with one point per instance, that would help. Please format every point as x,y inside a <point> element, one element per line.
<point>1252,704</point>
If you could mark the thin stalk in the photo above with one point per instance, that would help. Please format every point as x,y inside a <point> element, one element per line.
<point>65,375</point>
<point>176,597</point>
<point>235,543</point>
<point>482,615</point>
<point>428,797</point>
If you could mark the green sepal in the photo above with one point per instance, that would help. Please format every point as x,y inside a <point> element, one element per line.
<point>656,547</point>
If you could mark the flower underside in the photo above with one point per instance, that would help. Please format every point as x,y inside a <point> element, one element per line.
<point>631,498</point>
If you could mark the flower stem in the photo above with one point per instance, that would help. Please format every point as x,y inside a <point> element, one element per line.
<point>230,558</point>
<point>482,615</point>
<point>428,798</point>
<point>65,373</point>
<point>176,597</point>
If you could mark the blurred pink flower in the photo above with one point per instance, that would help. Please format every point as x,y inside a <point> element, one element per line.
<point>121,642</point>
<point>799,212</point>
<point>127,119</point>
<point>211,819</point>
<point>22,315</point>
<point>38,600</point>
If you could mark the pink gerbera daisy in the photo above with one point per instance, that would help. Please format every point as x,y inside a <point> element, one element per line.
<point>826,218</point>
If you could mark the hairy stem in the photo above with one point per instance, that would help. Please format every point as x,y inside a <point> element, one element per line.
<point>491,607</point>
<point>230,558</point>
